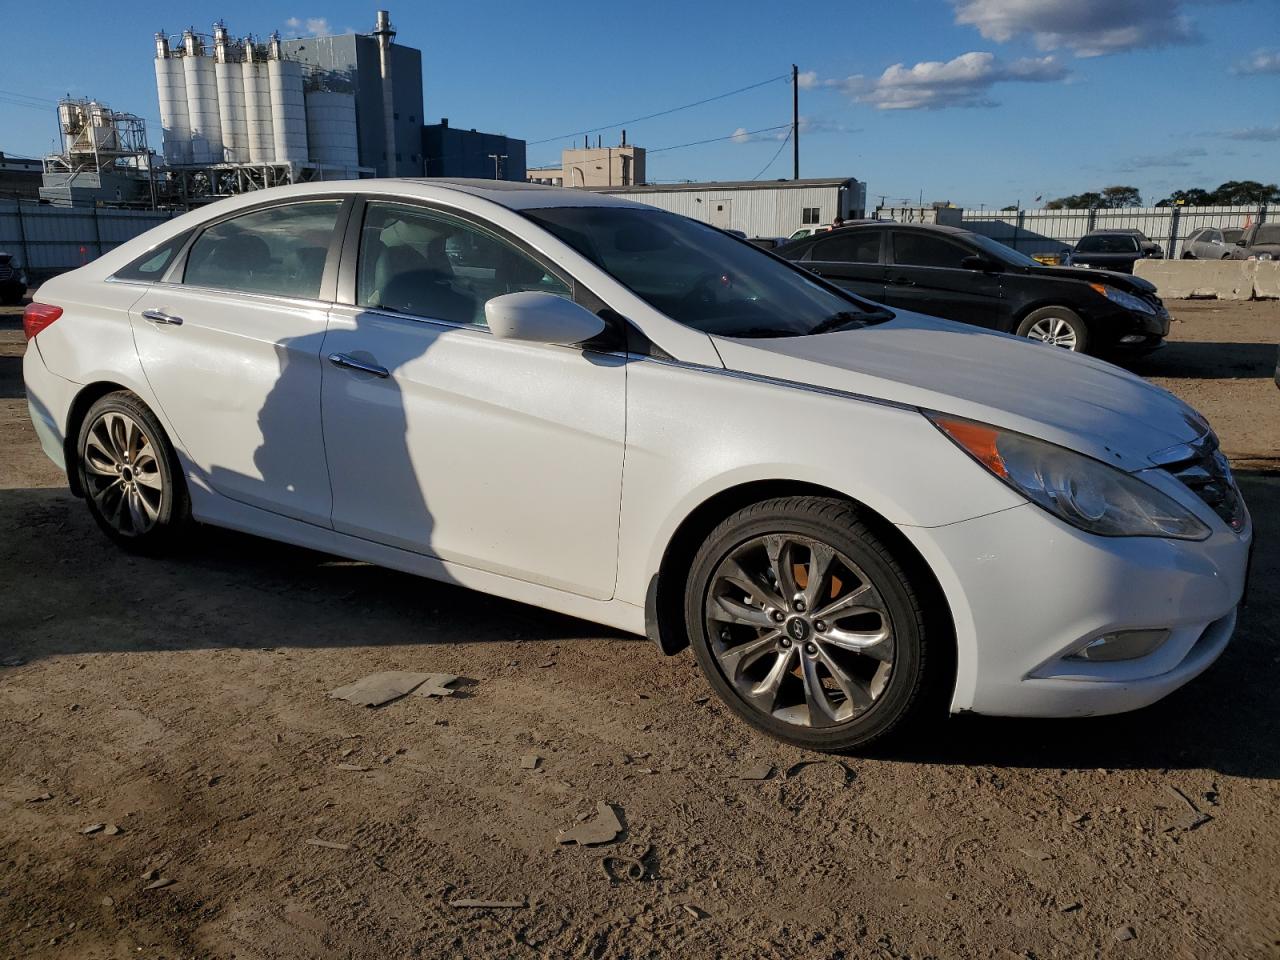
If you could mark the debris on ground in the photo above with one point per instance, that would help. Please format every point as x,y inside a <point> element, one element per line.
<point>150,874</point>
<point>40,798</point>
<point>696,912</point>
<point>437,685</point>
<point>1071,907</point>
<point>1124,933</point>
<point>354,767</point>
<point>797,768</point>
<point>757,771</point>
<point>111,830</point>
<point>92,828</point>
<point>604,828</point>
<point>329,844</point>
<point>108,901</point>
<point>617,867</point>
<point>160,883</point>
<point>382,688</point>
<point>489,904</point>
<point>530,761</point>
<point>12,662</point>
<point>1193,817</point>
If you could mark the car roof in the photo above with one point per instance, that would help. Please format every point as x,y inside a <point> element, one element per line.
<point>1129,231</point>
<point>885,224</point>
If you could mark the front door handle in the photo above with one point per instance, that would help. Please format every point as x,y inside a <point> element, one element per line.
<point>160,317</point>
<point>901,282</point>
<point>351,363</point>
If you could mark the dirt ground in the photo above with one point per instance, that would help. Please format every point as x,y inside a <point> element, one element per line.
<point>183,702</point>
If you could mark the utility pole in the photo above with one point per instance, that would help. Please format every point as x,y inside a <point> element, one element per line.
<point>795,122</point>
<point>497,159</point>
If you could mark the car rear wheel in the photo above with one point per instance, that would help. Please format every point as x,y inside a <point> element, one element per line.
<point>1056,326</point>
<point>130,474</point>
<point>806,625</point>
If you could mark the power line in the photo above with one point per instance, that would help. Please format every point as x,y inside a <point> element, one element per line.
<point>781,147</point>
<point>662,113</point>
<point>692,143</point>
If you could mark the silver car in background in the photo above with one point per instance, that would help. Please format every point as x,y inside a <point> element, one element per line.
<point>1212,243</point>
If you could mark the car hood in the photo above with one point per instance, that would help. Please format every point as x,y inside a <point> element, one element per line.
<point>1121,281</point>
<point>1075,401</point>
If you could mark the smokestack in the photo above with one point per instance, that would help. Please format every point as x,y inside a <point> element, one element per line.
<point>385,34</point>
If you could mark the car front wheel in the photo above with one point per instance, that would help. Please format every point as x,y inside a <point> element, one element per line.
<point>806,625</point>
<point>1056,326</point>
<point>130,474</point>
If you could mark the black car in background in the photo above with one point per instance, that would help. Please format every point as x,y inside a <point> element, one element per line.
<point>13,282</point>
<point>960,275</point>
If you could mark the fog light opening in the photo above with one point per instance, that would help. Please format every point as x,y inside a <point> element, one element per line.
<point>1121,645</point>
<point>1133,338</point>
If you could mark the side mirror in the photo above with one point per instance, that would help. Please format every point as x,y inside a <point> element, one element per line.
<point>976,262</point>
<point>1241,242</point>
<point>540,317</point>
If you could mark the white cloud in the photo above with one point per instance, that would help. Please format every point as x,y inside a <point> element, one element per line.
<point>310,27</point>
<point>1258,134</point>
<point>1174,158</point>
<point>807,125</point>
<point>1088,28</point>
<point>808,79</point>
<point>1260,61</point>
<point>965,81</point>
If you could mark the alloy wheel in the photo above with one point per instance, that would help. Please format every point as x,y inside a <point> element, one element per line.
<point>799,630</point>
<point>122,473</point>
<point>1054,331</point>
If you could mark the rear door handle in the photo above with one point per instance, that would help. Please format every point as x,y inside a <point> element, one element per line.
<point>159,316</point>
<point>351,363</point>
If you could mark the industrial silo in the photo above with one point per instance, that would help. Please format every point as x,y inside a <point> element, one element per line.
<point>202,102</point>
<point>331,129</point>
<point>257,106</point>
<point>171,86</point>
<point>288,106</point>
<point>230,86</point>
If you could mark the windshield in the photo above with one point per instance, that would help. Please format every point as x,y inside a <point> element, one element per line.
<point>1001,252</point>
<point>699,276</point>
<point>1231,236</point>
<point>1108,243</point>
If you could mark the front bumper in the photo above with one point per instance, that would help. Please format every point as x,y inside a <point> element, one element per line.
<point>1027,590</point>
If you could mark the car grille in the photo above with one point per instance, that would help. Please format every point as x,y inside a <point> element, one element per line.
<point>1207,474</point>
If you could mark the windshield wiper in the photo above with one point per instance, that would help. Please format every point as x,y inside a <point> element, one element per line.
<point>762,332</point>
<point>849,319</point>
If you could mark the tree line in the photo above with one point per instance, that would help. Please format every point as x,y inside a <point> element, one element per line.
<point>1230,194</point>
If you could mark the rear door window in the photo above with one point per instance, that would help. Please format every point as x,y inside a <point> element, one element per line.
<point>277,250</point>
<point>854,247</point>
<point>926,250</point>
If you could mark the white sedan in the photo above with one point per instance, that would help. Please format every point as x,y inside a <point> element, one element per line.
<point>611,411</point>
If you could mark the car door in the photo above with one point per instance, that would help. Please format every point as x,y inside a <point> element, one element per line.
<point>230,344</point>
<point>495,454</point>
<point>851,259</point>
<point>926,273</point>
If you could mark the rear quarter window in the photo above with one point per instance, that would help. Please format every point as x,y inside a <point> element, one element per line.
<point>151,266</point>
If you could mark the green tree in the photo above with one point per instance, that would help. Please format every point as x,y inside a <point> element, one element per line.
<point>1243,192</point>
<point>1121,197</point>
<point>1012,206</point>
<point>1195,197</point>
<point>1105,199</point>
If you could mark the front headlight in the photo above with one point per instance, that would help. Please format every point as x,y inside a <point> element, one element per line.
<point>1086,493</point>
<point>1122,299</point>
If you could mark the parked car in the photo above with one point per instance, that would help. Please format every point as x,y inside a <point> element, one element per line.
<point>13,280</point>
<point>1211,243</point>
<point>1260,242</point>
<point>1148,246</point>
<point>768,243</point>
<point>1107,251</point>
<point>960,275</point>
<point>809,231</point>
<point>627,416</point>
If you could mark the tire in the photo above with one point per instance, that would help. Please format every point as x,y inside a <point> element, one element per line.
<point>1188,256</point>
<point>1058,326</point>
<point>130,475</point>
<point>741,647</point>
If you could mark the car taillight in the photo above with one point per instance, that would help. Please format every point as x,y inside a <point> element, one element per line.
<point>37,316</point>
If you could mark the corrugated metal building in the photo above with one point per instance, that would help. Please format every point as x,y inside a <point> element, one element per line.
<point>452,152</point>
<point>769,208</point>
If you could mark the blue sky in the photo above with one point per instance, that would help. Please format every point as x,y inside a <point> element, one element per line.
<point>972,101</point>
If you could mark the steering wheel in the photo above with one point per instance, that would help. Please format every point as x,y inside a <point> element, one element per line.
<point>703,289</point>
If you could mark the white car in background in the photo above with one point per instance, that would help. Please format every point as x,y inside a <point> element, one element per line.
<point>611,411</point>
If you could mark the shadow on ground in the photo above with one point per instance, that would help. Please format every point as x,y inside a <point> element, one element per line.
<point>1207,360</point>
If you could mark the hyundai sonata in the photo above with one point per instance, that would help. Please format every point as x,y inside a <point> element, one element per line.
<point>611,411</point>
